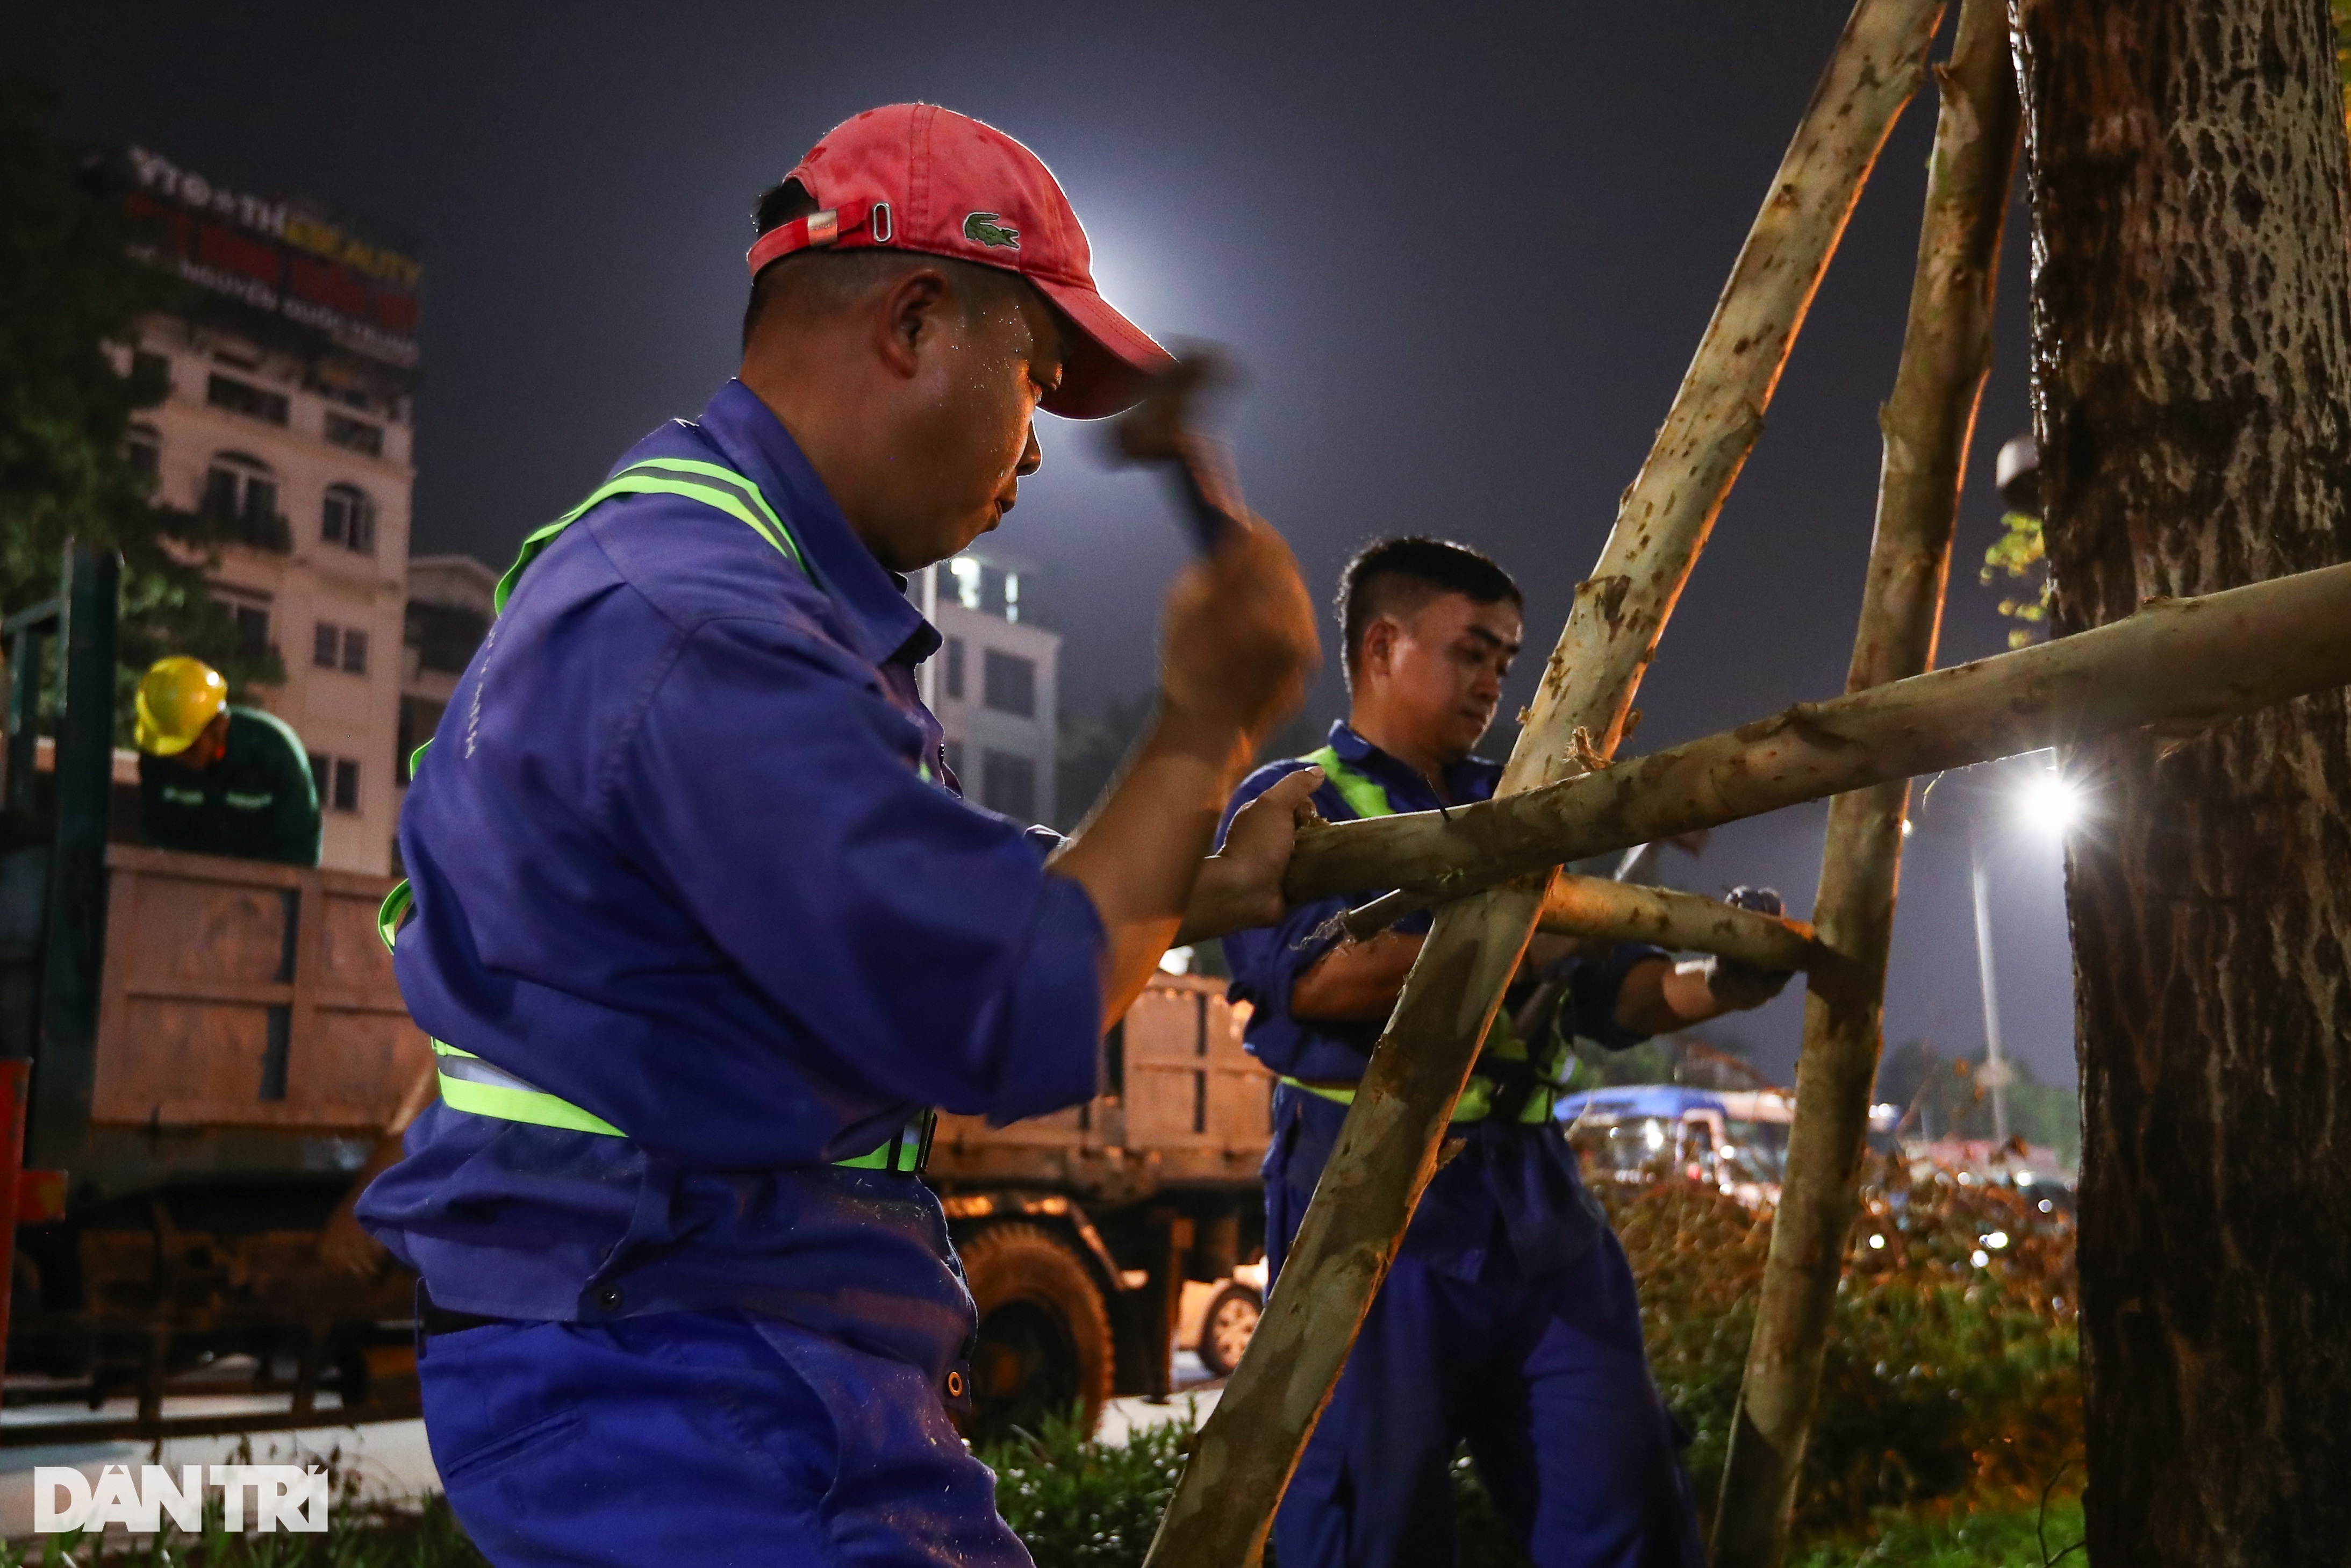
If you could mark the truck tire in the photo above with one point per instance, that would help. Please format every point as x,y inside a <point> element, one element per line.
<point>1226,1328</point>
<point>1043,1348</point>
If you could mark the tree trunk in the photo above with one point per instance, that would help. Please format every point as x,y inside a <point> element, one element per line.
<point>1925,424</point>
<point>2192,204</point>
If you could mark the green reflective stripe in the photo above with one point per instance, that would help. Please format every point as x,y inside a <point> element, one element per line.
<point>730,479</point>
<point>1361,792</point>
<point>483,1088</point>
<point>1477,1101</point>
<point>389,912</point>
<point>901,1154</point>
<point>728,492</point>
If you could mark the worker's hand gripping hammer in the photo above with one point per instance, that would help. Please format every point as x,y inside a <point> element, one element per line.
<point>1159,430</point>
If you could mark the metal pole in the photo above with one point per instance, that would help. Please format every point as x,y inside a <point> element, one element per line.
<point>1995,1074</point>
<point>66,1056</point>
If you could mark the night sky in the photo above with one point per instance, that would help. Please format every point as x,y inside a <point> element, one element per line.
<point>1464,257</point>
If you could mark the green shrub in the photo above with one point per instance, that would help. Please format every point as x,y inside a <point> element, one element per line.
<point>2001,1536</point>
<point>1079,1503</point>
<point>1943,1377</point>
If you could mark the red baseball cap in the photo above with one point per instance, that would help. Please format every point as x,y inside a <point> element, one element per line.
<point>914,176</point>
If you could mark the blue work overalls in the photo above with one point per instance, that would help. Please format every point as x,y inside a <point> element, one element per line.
<point>1508,1320</point>
<point>702,928</point>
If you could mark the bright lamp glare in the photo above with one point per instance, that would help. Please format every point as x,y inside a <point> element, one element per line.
<point>2050,800</point>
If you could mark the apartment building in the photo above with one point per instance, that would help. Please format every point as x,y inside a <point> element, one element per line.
<point>994,685</point>
<point>289,418</point>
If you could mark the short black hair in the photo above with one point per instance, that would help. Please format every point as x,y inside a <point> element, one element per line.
<point>824,280</point>
<point>1396,576</point>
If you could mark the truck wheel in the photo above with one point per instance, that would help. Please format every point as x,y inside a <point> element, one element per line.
<point>1044,1347</point>
<point>1226,1328</point>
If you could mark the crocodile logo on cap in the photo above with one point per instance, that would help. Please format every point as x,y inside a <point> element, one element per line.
<point>982,228</point>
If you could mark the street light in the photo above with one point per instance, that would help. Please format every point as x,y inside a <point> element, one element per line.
<point>2053,803</point>
<point>2050,800</point>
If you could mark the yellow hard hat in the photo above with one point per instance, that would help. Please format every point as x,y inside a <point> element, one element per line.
<point>178,697</point>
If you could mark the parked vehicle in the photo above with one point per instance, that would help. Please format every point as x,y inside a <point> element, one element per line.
<point>1733,1139</point>
<point>1087,1234</point>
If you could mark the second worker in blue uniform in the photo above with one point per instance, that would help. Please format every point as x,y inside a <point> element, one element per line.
<point>1508,1320</point>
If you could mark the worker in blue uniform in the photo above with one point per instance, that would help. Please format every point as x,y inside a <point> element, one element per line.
<point>1509,1319</point>
<point>703,931</point>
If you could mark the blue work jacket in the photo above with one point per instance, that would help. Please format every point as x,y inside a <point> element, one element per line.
<point>686,853</point>
<point>1509,1179</point>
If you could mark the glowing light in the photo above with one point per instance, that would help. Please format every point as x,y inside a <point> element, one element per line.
<point>965,572</point>
<point>1909,827</point>
<point>1996,1240</point>
<point>1979,1257</point>
<point>2051,800</point>
<point>1877,1243</point>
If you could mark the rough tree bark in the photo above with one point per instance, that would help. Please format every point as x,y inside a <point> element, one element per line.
<point>1387,1150</point>
<point>2192,371</point>
<point>1926,425</point>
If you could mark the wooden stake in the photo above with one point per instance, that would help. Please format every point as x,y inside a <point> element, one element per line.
<point>1927,425</point>
<point>1682,922</point>
<point>2180,664</point>
<point>1609,911</point>
<point>1386,1152</point>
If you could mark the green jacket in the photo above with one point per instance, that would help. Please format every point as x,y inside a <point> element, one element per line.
<point>259,802</point>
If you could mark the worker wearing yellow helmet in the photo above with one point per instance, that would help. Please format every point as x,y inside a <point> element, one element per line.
<point>217,779</point>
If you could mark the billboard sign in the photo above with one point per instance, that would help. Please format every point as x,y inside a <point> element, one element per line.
<point>278,257</point>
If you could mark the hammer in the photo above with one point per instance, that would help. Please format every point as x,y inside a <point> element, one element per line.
<point>1158,430</point>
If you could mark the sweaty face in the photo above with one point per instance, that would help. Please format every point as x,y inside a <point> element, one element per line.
<point>974,422</point>
<point>1443,665</point>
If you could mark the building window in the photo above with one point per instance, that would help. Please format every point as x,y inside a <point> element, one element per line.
<point>347,785</point>
<point>1008,684</point>
<point>355,433</point>
<point>252,630</point>
<point>241,498</point>
<point>348,519</point>
<point>955,668</point>
<point>146,450</point>
<point>343,648</point>
<point>444,635</point>
<point>1008,784</point>
<point>151,371</point>
<point>419,717</point>
<point>245,398</point>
